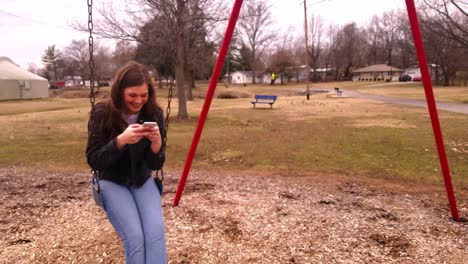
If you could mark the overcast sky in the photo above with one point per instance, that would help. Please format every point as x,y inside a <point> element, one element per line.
<point>28,27</point>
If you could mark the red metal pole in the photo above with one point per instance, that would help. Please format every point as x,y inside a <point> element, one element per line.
<point>209,96</point>
<point>423,66</point>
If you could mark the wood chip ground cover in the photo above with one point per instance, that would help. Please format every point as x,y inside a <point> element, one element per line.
<point>237,217</point>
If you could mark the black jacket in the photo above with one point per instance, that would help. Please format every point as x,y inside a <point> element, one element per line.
<point>130,166</point>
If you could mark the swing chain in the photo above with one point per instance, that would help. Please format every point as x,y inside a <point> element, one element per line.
<point>92,96</point>
<point>166,125</point>
<point>168,112</point>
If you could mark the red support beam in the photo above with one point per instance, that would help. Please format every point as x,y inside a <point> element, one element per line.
<point>209,97</point>
<point>423,65</point>
<point>426,78</point>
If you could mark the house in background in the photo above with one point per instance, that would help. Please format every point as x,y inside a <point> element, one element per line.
<point>297,74</point>
<point>17,83</point>
<point>245,77</point>
<point>73,81</point>
<point>416,72</point>
<point>377,72</point>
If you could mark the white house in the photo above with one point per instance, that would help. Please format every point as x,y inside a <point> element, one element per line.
<point>71,81</point>
<point>245,77</point>
<point>377,72</point>
<point>16,83</point>
<point>416,72</point>
<point>298,74</point>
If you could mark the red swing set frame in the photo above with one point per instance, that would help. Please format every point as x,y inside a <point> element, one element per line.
<point>422,61</point>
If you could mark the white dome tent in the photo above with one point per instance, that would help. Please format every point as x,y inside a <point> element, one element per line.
<point>17,83</point>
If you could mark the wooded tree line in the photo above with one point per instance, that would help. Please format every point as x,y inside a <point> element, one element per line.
<point>179,39</point>
<point>386,39</point>
<point>73,60</point>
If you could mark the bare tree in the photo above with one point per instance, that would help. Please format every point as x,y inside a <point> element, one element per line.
<point>232,61</point>
<point>349,49</point>
<point>255,30</point>
<point>180,15</point>
<point>103,68</point>
<point>172,12</point>
<point>450,19</point>
<point>297,59</point>
<point>445,52</point>
<point>407,52</point>
<point>70,68</point>
<point>390,33</point>
<point>374,41</point>
<point>124,51</point>
<point>176,15</point>
<point>199,51</point>
<point>78,54</point>
<point>445,30</point>
<point>315,39</point>
<point>330,48</point>
<point>282,59</point>
<point>448,59</point>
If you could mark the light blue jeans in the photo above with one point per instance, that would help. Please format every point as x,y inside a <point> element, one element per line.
<point>136,215</point>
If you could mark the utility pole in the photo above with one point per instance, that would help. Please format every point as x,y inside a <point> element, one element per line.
<point>306,50</point>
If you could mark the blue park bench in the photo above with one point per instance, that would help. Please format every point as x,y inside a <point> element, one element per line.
<point>264,99</point>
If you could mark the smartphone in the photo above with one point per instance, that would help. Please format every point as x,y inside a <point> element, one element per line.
<point>151,124</point>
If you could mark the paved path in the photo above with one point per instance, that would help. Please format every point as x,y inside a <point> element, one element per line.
<point>451,107</point>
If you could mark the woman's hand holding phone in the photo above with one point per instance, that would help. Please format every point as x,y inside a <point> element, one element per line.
<point>131,135</point>
<point>153,135</point>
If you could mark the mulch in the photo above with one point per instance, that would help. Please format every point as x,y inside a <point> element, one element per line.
<point>235,217</point>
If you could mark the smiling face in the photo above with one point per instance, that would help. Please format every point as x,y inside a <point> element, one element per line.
<point>134,98</point>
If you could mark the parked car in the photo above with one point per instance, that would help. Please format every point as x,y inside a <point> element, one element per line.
<point>56,84</point>
<point>404,78</point>
<point>417,78</point>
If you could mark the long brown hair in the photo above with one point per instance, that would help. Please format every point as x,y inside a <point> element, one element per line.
<point>131,74</point>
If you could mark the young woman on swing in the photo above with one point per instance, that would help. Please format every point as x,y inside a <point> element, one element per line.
<point>123,152</point>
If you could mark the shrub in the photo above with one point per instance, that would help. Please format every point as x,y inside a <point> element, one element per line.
<point>232,95</point>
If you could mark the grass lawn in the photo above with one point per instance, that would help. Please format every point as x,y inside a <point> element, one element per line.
<point>326,134</point>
